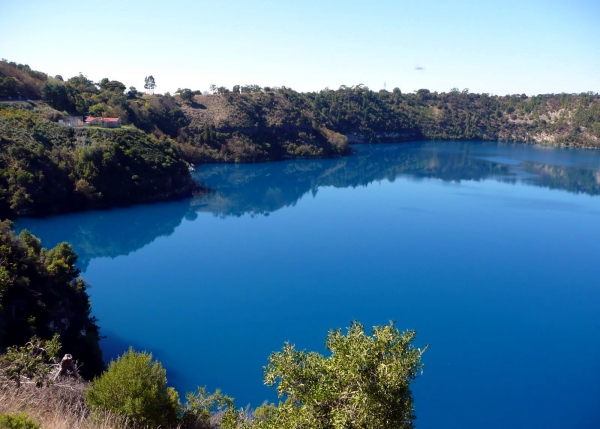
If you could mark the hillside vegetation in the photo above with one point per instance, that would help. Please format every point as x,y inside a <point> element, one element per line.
<point>250,123</point>
<point>19,80</point>
<point>47,168</point>
<point>41,294</point>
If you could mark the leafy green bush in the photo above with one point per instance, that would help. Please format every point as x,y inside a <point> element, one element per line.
<point>365,383</point>
<point>201,407</point>
<point>135,386</point>
<point>17,421</point>
<point>33,361</point>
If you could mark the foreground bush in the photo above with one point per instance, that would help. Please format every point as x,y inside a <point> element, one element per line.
<point>17,421</point>
<point>364,383</point>
<point>135,386</point>
<point>31,363</point>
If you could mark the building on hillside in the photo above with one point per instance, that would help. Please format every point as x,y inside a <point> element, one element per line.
<point>92,121</point>
<point>71,121</point>
<point>99,121</point>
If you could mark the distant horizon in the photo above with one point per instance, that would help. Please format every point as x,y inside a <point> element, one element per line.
<point>527,46</point>
<point>207,92</point>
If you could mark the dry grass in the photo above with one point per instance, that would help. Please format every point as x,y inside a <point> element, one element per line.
<point>63,406</point>
<point>60,406</point>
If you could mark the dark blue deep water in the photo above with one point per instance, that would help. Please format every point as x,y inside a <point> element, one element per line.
<point>490,251</point>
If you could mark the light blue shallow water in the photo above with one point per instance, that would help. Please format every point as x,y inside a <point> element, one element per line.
<point>491,252</point>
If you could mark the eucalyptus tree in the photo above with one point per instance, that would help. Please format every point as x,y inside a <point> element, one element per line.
<point>149,84</point>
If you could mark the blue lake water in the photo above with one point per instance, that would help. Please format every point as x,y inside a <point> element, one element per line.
<point>489,251</point>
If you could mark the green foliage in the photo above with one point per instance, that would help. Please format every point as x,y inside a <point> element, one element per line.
<point>17,421</point>
<point>46,168</point>
<point>9,86</point>
<point>98,110</point>
<point>364,383</point>
<point>201,406</point>
<point>43,295</point>
<point>111,85</point>
<point>55,93</point>
<point>133,93</point>
<point>149,83</point>
<point>186,94</point>
<point>32,362</point>
<point>247,124</point>
<point>384,116</point>
<point>251,88</point>
<point>20,81</point>
<point>135,386</point>
<point>79,95</point>
<point>256,126</point>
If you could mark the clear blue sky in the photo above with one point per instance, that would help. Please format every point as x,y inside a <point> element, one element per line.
<point>513,46</point>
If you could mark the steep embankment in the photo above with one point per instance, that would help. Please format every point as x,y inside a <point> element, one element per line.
<point>47,168</point>
<point>42,294</point>
<point>282,122</point>
<point>255,127</point>
<point>384,116</point>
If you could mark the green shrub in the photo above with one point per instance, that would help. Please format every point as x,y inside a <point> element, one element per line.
<point>201,406</point>
<point>135,386</point>
<point>17,421</point>
<point>364,383</point>
<point>33,361</point>
<point>41,294</point>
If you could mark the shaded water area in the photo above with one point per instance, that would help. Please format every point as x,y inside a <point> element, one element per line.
<point>489,251</point>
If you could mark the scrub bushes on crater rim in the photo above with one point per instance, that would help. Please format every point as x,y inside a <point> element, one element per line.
<point>17,421</point>
<point>135,386</point>
<point>46,168</point>
<point>363,383</point>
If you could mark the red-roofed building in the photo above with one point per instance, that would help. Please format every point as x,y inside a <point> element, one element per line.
<point>103,122</point>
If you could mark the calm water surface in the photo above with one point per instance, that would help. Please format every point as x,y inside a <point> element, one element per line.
<point>490,252</point>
